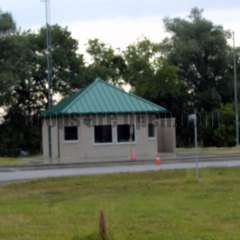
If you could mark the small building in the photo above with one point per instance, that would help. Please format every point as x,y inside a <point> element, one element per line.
<point>104,123</point>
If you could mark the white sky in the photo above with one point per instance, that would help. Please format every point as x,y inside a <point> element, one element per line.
<point>120,23</point>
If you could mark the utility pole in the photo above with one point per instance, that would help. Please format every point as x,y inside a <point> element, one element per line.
<point>193,118</point>
<point>49,54</point>
<point>49,70</point>
<point>235,91</point>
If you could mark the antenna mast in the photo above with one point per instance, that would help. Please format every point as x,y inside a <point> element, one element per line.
<point>49,70</point>
<point>48,52</point>
<point>235,90</point>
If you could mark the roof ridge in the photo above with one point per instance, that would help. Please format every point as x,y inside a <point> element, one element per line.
<point>131,94</point>
<point>80,94</point>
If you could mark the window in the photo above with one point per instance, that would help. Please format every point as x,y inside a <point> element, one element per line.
<point>103,134</point>
<point>125,133</point>
<point>151,130</point>
<point>71,133</point>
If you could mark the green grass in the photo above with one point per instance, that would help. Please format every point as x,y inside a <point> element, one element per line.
<point>212,150</point>
<point>11,161</point>
<point>166,205</point>
<point>8,161</point>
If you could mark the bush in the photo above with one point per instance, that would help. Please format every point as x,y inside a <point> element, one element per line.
<point>222,134</point>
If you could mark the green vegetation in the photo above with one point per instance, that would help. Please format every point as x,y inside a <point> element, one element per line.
<point>191,69</point>
<point>212,150</point>
<point>168,205</point>
<point>8,161</point>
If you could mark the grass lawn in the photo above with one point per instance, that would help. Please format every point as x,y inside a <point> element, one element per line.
<point>212,150</point>
<point>8,161</point>
<point>11,161</point>
<point>165,205</point>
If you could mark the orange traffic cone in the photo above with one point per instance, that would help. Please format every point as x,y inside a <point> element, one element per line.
<point>158,160</point>
<point>133,156</point>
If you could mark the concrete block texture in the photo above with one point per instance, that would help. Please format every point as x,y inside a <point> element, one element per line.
<point>167,135</point>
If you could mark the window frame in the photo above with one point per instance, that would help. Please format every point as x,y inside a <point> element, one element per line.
<point>71,141</point>
<point>103,143</point>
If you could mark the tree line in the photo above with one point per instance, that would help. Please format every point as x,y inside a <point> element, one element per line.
<point>190,69</point>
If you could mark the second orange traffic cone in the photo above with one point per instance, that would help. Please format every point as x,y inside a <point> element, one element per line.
<point>158,160</point>
<point>133,156</point>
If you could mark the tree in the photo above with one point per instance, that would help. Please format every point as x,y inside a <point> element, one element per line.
<point>104,62</point>
<point>24,62</point>
<point>27,63</point>
<point>7,24</point>
<point>7,29</point>
<point>199,49</point>
<point>219,129</point>
<point>151,75</point>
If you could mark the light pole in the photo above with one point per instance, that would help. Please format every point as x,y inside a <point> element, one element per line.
<point>235,91</point>
<point>196,143</point>
<point>49,70</point>
<point>193,118</point>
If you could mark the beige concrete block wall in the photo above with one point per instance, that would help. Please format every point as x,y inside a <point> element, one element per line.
<point>86,150</point>
<point>167,135</point>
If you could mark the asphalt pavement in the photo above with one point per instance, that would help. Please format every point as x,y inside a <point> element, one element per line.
<point>18,174</point>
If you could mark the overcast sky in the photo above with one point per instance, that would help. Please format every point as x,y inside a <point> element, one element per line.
<point>120,22</point>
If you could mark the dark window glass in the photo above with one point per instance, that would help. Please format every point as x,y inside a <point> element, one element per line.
<point>103,134</point>
<point>151,130</point>
<point>125,133</point>
<point>71,133</point>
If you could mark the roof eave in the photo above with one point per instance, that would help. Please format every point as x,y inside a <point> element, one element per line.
<point>49,115</point>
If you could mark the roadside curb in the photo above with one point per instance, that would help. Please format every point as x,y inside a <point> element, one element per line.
<point>179,159</point>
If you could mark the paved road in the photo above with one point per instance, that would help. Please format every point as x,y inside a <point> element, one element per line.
<point>22,175</point>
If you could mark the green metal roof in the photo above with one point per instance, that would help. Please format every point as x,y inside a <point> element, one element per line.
<point>101,97</point>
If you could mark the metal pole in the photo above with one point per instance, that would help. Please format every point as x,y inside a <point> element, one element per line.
<point>49,54</point>
<point>196,144</point>
<point>49,70</point>
<point>235,91</point>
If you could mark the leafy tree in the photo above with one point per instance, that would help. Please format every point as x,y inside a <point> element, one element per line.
<point>7,24</point>
<point>104,62</point>
<point>24,62</point>
<point>219,129</point>
<point>204,61</point>
<point>151,75</point>
<point>7,29</point>
<point>191,69</point>
<point>139,58</point>
<point>27,64</point>
<point>199,49</point>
